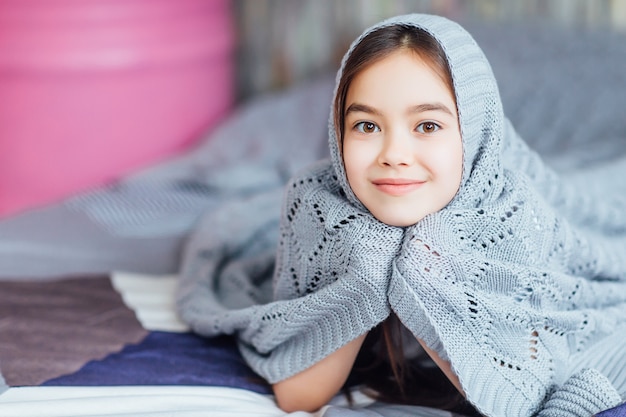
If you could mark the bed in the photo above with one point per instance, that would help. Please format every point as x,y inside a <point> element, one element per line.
<point>88,324</point>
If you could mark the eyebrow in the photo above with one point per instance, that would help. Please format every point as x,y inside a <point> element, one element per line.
<point>358,107</point>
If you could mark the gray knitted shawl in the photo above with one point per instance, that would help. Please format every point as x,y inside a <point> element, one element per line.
<point>520,282</point>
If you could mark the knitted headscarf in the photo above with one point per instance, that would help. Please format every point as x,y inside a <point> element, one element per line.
<point>520,281</point>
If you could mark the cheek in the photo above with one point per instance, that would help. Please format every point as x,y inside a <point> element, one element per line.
<point>355,160</point>
<point>448,163</point>
<point>455,168</point>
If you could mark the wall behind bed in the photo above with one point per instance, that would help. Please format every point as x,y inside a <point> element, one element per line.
<point>282,42</point>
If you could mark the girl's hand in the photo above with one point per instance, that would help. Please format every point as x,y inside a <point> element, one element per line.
<point>314,387</point>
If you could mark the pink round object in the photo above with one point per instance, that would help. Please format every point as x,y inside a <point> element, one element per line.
<point>91,90</point>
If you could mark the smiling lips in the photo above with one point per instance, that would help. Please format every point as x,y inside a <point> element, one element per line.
<point>397,186</point>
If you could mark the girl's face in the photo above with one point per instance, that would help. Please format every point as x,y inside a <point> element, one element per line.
<point>402,147</point>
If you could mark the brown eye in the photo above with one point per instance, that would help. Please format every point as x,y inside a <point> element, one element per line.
<point>428,127</point>
<point>367,127</point>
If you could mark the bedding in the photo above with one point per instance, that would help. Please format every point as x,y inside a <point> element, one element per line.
<point>78,338</point>
<point>114,346</point>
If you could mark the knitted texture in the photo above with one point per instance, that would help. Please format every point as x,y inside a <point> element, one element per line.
<point>576,395</point>
<point>520,282</point>
<point>333,268</point>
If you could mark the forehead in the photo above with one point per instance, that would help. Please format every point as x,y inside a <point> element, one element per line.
<point>400,78</point>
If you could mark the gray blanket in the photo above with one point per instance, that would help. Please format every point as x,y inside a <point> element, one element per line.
<point>536,252</point>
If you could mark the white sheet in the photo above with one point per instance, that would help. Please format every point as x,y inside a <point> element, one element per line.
<point>152,298</point>
<point>138,401</point>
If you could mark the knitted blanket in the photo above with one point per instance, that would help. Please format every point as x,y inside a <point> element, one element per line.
<point>520,282</point>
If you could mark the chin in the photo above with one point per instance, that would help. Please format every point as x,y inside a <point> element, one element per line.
<point>399,221</point>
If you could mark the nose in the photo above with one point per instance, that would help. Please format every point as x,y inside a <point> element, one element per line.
<point>396,150</point>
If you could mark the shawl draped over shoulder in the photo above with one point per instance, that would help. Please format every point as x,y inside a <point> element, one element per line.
<point>520,281</point>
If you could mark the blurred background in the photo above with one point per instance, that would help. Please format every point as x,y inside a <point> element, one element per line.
<point>285,41</point>
<point>93,90</point>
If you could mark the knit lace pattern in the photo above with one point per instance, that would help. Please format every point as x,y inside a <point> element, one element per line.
<point>520,282</point>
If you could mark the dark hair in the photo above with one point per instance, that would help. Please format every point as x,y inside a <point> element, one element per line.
<point>385,374</point>
<point>380,43</point>
<point>382,366</point>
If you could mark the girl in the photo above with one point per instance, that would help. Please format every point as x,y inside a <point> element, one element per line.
<point>432,211</point>
<point>395,115</point>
